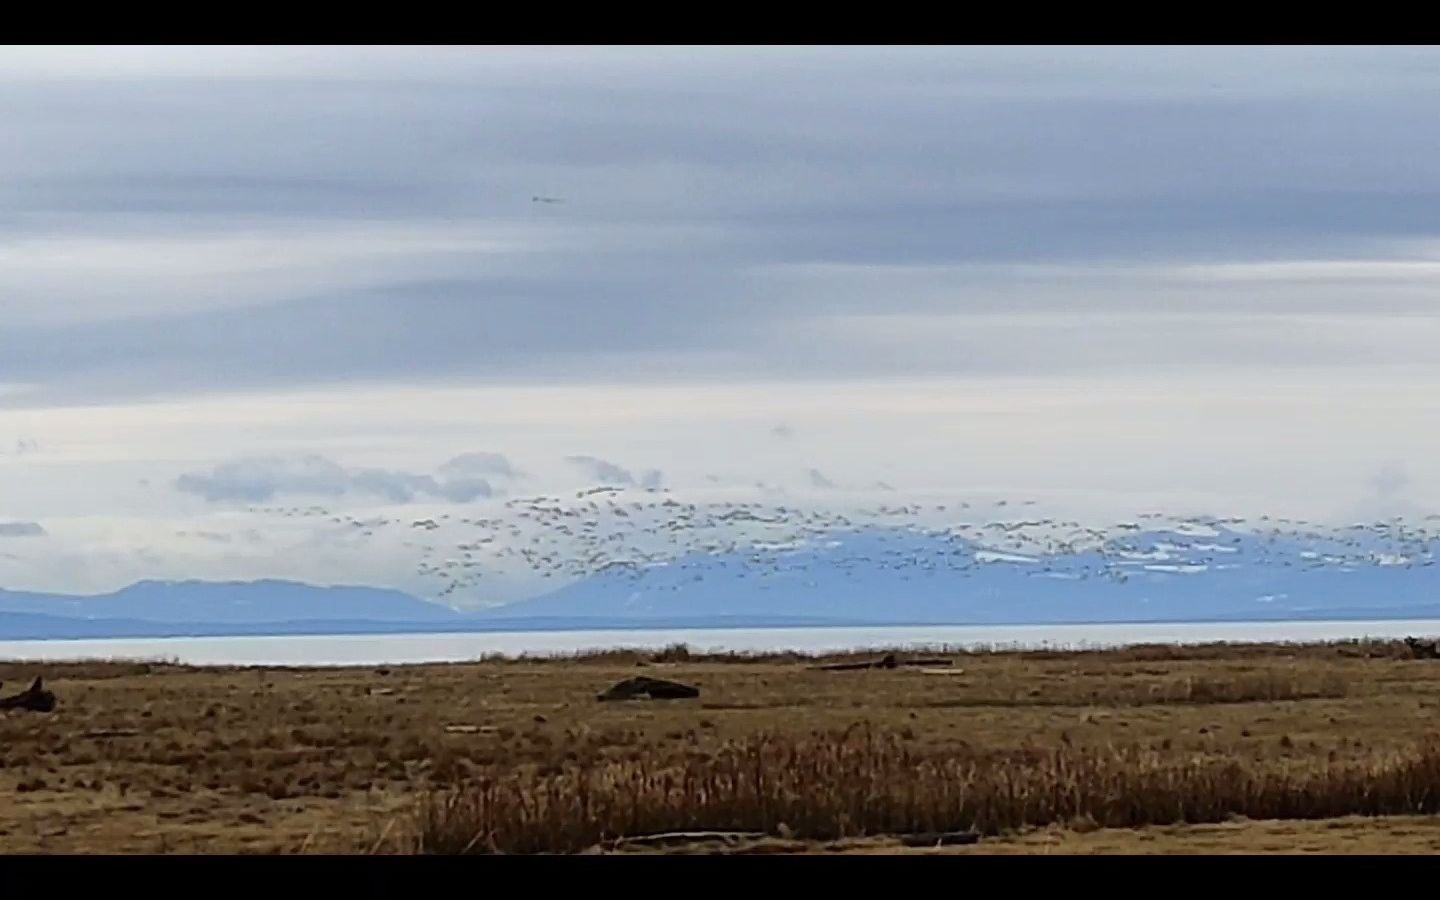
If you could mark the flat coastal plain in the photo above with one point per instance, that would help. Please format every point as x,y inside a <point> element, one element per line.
<point>1154,749</point>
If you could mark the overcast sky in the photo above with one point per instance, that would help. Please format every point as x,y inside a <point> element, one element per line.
<point>1108,279</point>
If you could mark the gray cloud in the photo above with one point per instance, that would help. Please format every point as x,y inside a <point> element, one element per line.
<point>22,447</point>
<point>260,479</point>
<point>21,529</point>
<point>191,225</point>
<point>609,472</point>
<point>214,536</point>
<point>1389,480</point>
<point>1392,492</point>
<point>818,479</point>
<point>494,465</point>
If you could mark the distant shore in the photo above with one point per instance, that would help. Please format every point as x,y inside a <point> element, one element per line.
<point>365,648</point>
<point>28,627</point>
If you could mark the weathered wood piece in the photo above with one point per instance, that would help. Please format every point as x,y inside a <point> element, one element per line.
<point>1423,649</point>
<point>35,699</point>
<point>940,839</point>
<point>888,661</point>
<point>642,687</point>
<point>687,837</point>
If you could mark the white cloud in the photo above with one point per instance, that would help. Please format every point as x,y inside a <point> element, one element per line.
<point>126,275</point>
<point>602,470</point>
<point>494,465</point>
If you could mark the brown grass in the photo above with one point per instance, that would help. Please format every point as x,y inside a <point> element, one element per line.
<point>151,756</point>
<point>861,783</point>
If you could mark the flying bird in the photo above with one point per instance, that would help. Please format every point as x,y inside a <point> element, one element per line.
<point>538,199</point>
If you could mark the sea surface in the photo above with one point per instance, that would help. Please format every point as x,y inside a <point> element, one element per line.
<point>343,650</point>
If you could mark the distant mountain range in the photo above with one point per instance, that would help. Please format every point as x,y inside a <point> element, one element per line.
<point>878,576</point>
<point>903,577</point>
<point>165,609</point>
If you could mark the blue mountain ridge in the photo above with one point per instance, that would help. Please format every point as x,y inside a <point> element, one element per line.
<point>227,602</point>
<point>892,576</point>
<point>903,577</point>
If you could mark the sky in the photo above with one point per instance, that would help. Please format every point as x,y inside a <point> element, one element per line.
<point>1105,279</point>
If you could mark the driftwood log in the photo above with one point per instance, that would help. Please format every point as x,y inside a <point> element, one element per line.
<point>35,699</point>
<point>888,661</point>
<point>921,839</point>
<point>641,687</point>
<point>686,837</point>
<point>464,728</point>
<point>940,839</point>
<point>107,733</point>
<point>1423,649</point>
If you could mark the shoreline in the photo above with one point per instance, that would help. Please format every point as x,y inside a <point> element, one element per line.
<point>341,650</point>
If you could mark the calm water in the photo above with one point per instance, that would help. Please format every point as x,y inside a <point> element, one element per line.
<point>318,650</point>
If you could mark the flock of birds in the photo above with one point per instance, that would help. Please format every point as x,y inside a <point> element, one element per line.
<point>626,530</point>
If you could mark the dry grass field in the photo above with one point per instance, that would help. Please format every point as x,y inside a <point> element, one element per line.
<point>1216,748</point>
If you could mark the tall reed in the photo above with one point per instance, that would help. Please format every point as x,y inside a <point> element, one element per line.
<point>867,782</point>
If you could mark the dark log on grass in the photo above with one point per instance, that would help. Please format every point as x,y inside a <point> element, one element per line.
<point>687,837</point>
<point>35,699</point>
<point>642,687</point>
<point>1423,649</point>
<point>888,661</point>
<point>106,733</point>
<point>885,662</point>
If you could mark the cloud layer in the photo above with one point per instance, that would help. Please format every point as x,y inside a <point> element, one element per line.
<point>257,480</point>
<point>267,218</point>
<point>610,473</point>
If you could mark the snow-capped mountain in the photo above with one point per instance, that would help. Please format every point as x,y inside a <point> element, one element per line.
<point>905,576</point>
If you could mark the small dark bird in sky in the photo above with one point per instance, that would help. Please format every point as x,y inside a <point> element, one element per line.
<point>538,199</point>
